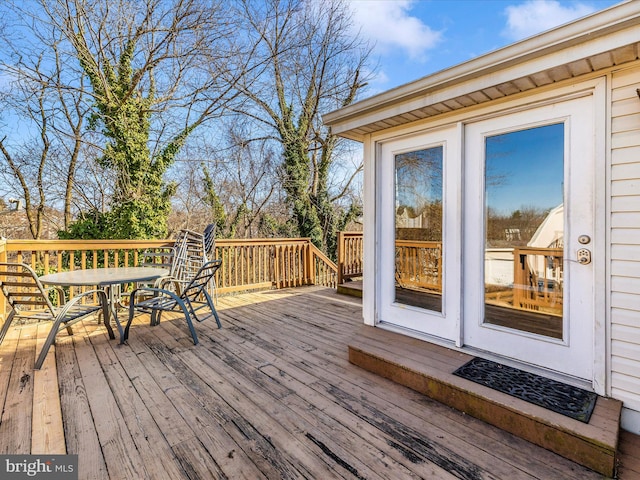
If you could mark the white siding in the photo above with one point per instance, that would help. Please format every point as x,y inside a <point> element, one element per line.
<point>625,238</point>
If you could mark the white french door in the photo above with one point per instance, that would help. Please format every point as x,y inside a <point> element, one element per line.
<point>419,247</point>
<point>486,235</point>
<point>529,235</point>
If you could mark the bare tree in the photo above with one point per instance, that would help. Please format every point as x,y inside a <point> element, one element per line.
<point>231,183</point>
<point>34,94</point>
<point>305,61</point>
<point>152,70</point>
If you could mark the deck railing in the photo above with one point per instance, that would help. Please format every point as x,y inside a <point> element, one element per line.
<point>350,248</point>
<point>419,264</point>
<point>246,263</point>
<point>538,279</point>
<point>536,272</point>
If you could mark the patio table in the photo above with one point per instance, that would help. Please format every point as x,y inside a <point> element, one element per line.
<point>108,278</point>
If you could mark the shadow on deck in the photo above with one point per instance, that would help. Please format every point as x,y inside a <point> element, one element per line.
<point>270,395</point>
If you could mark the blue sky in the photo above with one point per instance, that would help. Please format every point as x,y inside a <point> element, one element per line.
<point>415,38</point>
<point>525,169</point>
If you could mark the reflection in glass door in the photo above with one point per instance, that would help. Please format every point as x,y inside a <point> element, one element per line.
<point>524,230</point>
<point>418,228</point>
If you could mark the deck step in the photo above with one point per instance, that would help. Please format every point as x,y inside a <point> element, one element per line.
<point>428,369</point>
<point>353,288</point>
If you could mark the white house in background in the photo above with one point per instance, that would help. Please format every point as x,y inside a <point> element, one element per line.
<point>553,119</point>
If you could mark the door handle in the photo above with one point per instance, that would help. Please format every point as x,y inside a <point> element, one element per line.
<point>584,256</point>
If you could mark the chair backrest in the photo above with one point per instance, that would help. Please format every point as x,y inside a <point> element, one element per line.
<point>198,284</point>
<point>23,291</point>
<point>189,255</point>
<point>209,235</point>
<point>161,257</point>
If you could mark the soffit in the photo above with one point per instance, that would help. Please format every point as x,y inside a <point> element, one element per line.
<point>597,43</point>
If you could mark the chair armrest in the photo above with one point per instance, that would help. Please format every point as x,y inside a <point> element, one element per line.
<point>62,298</point>
<point>161,283</point>
<point>156,291</point>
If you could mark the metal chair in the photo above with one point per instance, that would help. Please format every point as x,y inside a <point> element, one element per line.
<point>209,239</point>
<point>191,250</point>
<point>159,258</point>
<point>192,298</point>
<point>189,255</point>
<point>28,299</point>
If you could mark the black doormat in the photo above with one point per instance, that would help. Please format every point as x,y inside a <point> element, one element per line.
<point>553,395</point>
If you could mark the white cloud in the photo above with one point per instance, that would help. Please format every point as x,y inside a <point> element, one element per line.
<point>535,16</point>
<point>389,24</point>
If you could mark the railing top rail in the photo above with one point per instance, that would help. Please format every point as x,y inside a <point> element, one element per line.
<point>318,253</point>
<point>418,243</point>
<point>39,245</point>
<point>260,241</point>
<point>540,251</point>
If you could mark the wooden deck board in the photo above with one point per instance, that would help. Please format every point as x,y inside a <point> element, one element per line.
<point>207,420</point>
<point>270,395</point>
<point>469,443</point>
<point>81,436</point>
<point>214,402</point>
<point>150,442</point>
<point>316,411</point>
<point>121,456</point>
<point>630,456</point>
<point>47,435</point>
<point>15,427</point>
<point>8,350</point>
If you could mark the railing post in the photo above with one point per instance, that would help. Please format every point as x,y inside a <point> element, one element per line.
<point>276,265</point>
<point>518,277</point>
<point>311,264</point>
<point>341,253</point>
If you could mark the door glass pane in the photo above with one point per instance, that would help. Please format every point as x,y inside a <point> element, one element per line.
<point>418,228</point>
<point>524,229</point>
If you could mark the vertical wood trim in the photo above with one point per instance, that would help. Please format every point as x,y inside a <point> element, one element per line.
<point>341,259</point>
<point>371,232</point>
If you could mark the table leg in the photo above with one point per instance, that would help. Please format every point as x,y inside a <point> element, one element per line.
<point>114,310</point>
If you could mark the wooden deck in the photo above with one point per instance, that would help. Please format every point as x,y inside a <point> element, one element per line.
<point>270,395</point>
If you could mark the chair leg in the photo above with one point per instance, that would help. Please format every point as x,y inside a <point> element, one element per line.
<point>125,333</point>
<point>6,325</point>
<point>213,308</point>
<point>188,314</point>
<point>51,338</point>
<point>155,317</point>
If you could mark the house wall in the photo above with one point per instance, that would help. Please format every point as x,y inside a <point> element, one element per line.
<point>625,243</point>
